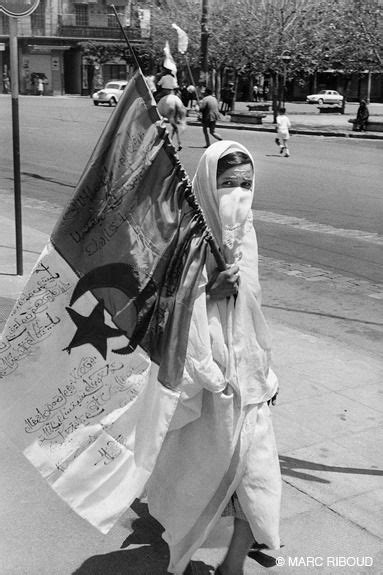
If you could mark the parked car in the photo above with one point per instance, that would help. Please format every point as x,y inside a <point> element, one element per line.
<point>110,94</point>
<point>325,97</point>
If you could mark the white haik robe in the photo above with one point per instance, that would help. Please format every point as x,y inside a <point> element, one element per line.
<point>220,439</point>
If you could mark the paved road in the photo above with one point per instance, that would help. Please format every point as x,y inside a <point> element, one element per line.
<point>319,213</point>
<point>326,181</point>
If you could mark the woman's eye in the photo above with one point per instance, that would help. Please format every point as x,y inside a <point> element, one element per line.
<point>234,183</point>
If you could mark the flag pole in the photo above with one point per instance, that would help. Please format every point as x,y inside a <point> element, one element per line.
<point>137,63</point>
<point>191,77</point>
<point>189,194</point>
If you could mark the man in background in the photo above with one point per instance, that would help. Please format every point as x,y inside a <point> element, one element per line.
<point>209,111</point>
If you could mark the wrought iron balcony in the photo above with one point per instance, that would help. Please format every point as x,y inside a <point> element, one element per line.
<point>88,32</point>
<point>99,26</point>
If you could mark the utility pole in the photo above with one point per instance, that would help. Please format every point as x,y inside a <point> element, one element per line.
<point>368,87</point>
<point>286,60</point>
<point>14,56</point>
<point>14,11</point>
<point>204,43</point>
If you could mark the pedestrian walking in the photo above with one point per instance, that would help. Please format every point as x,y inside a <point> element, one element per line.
<point>6,83</point>
<point>255,93</point>
<point>227,98</point>
<point>362,116</point>
<point>40,87</point>
<point>184,95</point>
<point>219,456</point>
<point>192,95</point>
<point>283,127</point>
<point>209,115</point>
<point>230,97</point>
<point>224,102</point>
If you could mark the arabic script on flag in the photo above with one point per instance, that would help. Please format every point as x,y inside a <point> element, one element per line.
<point>94,349</point>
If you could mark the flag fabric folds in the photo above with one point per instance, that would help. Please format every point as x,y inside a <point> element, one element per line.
<point>93,351</point>
<point>183,39</point>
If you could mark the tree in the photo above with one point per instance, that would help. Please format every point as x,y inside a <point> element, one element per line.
<point>184,13</point>
<point>347,38</point>
<point>353,33</point>
<point>97,54</point>
<point>251,36</point>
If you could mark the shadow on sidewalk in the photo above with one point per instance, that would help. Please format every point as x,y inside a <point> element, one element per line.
<point>292,467</point>
<point>143,552</point>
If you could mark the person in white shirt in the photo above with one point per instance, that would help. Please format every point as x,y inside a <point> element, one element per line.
<point>167,84</point>
<point>283,126</point>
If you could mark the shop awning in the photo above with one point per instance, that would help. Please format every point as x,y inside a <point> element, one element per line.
<point>47,48</point>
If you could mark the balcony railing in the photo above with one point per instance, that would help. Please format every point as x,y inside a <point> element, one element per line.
<point>88,32</point>
<point>99,26</point>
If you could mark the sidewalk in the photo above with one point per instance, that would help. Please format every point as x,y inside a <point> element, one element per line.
<point>328,424</point>
<point>306,120</point>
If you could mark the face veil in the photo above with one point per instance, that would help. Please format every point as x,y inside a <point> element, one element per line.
<point>227,212</point>
<point>222,217</point>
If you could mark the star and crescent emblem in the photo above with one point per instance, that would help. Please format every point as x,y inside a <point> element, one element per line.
<point>92,329</point>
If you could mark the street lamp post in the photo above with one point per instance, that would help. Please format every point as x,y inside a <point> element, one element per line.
<point>368,87</point>
<point>285,59</point>
<point>204,43</point>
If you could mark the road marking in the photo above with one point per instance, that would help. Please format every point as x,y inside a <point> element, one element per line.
<point>32,203</point>
<point>303,224</point>
<point>313,274</point>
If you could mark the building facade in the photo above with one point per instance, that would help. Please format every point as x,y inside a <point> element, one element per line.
<point>54,44</point>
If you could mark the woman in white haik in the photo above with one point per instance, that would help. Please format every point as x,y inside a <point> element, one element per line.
<point>283,126</point>
<point>219,455</point>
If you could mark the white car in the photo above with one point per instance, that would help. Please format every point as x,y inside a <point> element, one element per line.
<point>325,97</point>
<point>110,94</point>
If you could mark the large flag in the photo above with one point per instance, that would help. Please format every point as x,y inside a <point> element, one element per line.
<point>93,351</point>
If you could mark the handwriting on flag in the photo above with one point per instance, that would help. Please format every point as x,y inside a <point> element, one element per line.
<point>94,349</point>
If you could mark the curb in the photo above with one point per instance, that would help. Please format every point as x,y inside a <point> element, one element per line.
<point>303,131</point>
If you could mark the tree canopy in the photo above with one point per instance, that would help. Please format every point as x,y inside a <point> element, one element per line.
<point>254,35</point>
<point>295,38</point>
